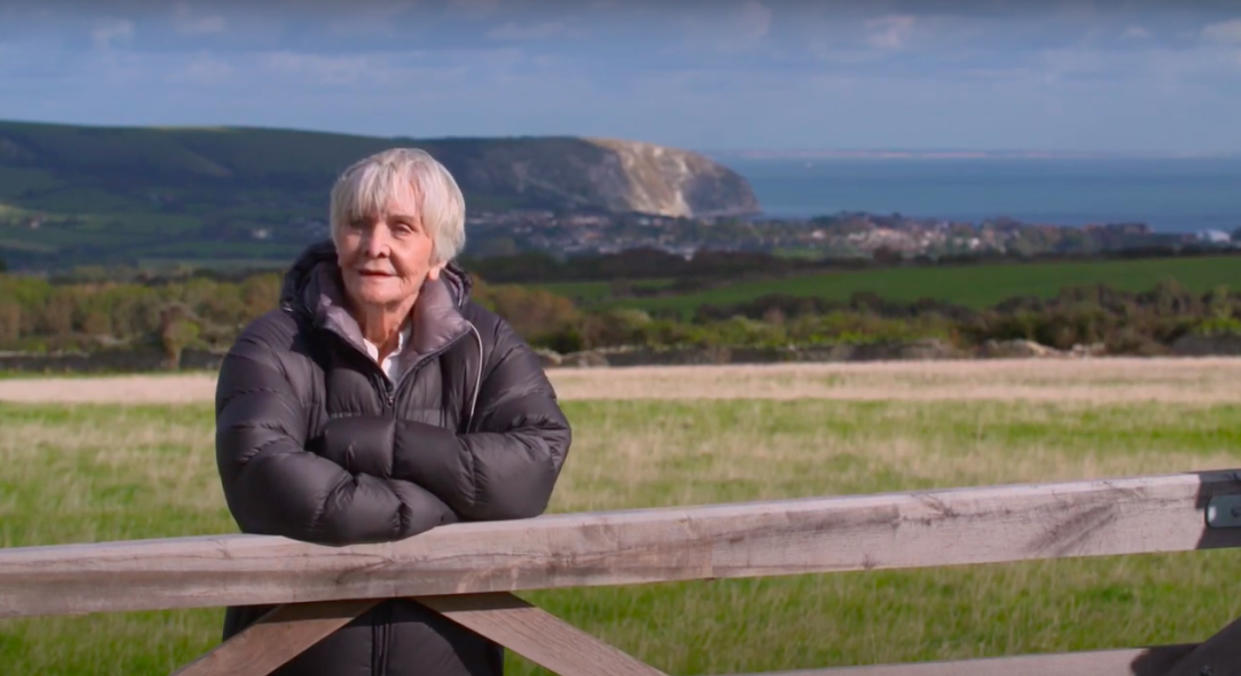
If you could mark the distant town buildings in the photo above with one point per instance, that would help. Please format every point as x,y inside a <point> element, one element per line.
<point>843,235</point>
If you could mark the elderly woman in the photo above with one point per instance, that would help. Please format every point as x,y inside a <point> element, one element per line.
<point>378,402</point>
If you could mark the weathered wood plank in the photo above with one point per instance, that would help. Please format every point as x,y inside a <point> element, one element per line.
<point>1130,662</point>
<point>537,635</point>
<point>1219,655</point>
<point>897,530</point>
<point>275,638</point>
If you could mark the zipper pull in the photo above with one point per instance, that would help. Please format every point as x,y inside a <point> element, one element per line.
<point>389,392</point>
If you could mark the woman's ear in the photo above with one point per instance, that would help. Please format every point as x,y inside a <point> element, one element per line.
<point>433,273</point>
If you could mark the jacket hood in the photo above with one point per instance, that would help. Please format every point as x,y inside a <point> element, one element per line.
<point>313,290</point>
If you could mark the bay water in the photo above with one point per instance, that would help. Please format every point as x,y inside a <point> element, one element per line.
<point>1168,194</point>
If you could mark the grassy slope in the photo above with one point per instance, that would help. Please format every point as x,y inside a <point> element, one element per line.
<point>143,185</point>
<point>99,190</point>
<point>150,473</point>
<point>595,293</point>
<point>970,285</point>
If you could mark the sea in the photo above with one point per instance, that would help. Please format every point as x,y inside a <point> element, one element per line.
<point>1168,194</point>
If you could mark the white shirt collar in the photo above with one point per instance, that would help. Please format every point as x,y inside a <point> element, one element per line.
<point>391,364</point>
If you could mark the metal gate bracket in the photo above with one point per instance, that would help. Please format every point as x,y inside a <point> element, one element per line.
<point>1224,511</point>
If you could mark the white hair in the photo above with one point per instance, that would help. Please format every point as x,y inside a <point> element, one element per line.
<point>366,188</point>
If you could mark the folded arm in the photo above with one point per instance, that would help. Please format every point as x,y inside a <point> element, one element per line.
<point>504,468</point>
<point>274,485</point>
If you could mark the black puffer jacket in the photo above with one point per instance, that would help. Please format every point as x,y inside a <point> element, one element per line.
<point>314,442</point>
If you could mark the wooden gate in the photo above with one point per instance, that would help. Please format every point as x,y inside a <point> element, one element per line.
<point>468,571</point>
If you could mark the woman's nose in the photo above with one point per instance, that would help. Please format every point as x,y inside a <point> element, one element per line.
<point>376,243</point>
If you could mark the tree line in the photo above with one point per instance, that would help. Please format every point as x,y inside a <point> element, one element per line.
<point>38,315</point>
<point>648,263</point>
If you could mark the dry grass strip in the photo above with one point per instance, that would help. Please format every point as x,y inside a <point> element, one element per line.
<point>1113,380</point>
<point>132,389</point>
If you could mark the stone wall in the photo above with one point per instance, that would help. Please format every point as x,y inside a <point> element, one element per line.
<point>919,349</point>
<point>1198,345</point>
<point>107,361</point>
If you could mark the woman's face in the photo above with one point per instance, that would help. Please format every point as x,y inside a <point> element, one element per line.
<point>384,258</point>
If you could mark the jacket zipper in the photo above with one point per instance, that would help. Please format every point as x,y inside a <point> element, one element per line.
<point>385,630</point>
<point>390,390</point>
<point>394,390</point>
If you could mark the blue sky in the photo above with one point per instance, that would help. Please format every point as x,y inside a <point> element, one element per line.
<point>754,74</point>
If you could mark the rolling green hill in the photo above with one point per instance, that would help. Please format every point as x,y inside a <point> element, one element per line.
<point>71,195</point>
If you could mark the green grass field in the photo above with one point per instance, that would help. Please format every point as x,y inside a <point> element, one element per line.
<point>588,293</point>
<point>970,285</point>
<point>76,473</point>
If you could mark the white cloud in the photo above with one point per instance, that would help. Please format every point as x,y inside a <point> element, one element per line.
<point>753,21</point>
<point>326,70</point>
<point>379,75</point>
<point>108,32</point>
<point>370,20</point>
<point>203,69</point>
<point>534,31</point>
<point>837,51</point>
<point>1135,33</point>
<point>1076,61</point>
<point>475,9</point>
<point>1223,31</point>
<point>186,22</point>
<point>889,32</point>
<point>742,28</point>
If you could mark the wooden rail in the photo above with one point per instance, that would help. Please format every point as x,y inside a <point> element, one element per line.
<point>465,571</point>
